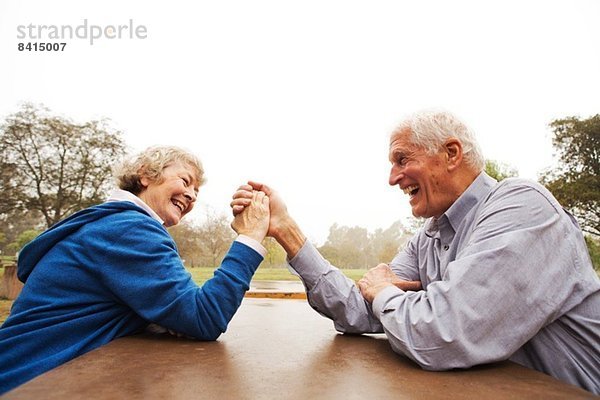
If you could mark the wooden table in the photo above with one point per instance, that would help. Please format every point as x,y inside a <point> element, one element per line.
<point>277,349</point>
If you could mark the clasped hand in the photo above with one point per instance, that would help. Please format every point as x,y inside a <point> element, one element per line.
<point>278,211</point>
<point>257,205</point>
<point>253,219</point>
<point>380,277</point>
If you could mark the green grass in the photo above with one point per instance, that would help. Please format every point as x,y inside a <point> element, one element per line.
<point>354,274</point>
<point>201,275</point>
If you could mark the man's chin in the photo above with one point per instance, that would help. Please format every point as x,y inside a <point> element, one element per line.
<point>421,215</point>
<point>416,213</point>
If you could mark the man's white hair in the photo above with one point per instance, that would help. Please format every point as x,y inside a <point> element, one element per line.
<point>431,128</point>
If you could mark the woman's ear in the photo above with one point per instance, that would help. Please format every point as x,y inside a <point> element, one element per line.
<point>454,153</point>
<point>144,180</point>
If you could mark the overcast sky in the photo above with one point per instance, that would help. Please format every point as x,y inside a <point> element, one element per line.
<point>303,94</point>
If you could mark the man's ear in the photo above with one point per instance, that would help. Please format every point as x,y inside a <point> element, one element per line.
<point>454,153</point>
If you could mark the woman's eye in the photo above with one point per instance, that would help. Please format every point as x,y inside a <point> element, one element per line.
<point>185,181</point>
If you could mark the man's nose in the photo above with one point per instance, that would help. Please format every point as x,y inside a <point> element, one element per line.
<point>396,174</point>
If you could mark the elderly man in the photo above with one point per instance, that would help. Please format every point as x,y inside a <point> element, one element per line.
<point>498,271</point>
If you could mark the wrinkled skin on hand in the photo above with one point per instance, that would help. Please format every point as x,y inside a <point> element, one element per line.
<point>282,226</point>
<point>380,277</point>
<point>278,209</point>
<point>253,219</point>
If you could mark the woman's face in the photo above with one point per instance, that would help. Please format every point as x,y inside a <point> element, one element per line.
<point>173,195</point>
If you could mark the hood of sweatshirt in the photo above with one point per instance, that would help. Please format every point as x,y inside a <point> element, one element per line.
<point>31,254</point>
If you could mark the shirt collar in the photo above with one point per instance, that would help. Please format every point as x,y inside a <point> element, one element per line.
<point>481,187</point>
<point>124,195</point>
<point>478,189</point>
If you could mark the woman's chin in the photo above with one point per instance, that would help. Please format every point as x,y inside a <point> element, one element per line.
<point>171,222</point>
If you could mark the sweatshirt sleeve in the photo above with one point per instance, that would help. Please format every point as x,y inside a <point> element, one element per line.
<point>143,271</point>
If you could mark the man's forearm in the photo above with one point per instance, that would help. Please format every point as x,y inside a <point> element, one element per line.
<point>290,237</point>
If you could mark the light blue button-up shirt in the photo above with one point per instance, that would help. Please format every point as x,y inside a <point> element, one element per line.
<point>506,275</point>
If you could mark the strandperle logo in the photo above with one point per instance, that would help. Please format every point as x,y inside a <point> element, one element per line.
<point>86,31</point>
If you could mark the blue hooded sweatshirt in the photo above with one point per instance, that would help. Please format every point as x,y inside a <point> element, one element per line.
<point>107,272</point>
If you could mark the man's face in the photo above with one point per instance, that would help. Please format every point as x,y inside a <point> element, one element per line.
<point>423,177</point>
<point>173,196</point>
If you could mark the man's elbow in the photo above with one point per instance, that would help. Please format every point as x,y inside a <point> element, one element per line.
<point>354,327</point>
<point>436,359</point>
<point>347,329</point>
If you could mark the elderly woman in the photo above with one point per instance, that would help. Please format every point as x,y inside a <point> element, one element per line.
<point>112,270</point>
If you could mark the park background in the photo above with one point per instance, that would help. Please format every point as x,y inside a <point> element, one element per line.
<point>302,95</point>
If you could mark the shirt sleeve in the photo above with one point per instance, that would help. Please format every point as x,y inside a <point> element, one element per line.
<point>405,264</point>
<point>332,294</point>
<point>253,244</point>
<point>512,277</point>
<point>145,273</point>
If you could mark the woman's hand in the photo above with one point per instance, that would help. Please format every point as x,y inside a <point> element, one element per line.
<point>280,219</point>
<point>253,221</point>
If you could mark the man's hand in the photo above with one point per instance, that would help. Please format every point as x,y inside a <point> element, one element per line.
<point>253,220</point>
<point>380,277</point>
<point>281,225</point>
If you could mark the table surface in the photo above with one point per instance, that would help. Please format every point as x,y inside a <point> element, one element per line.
<point>277,349</point>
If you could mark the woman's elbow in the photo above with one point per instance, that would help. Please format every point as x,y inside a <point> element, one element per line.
<point>208,336</point>
<point>210,333</point>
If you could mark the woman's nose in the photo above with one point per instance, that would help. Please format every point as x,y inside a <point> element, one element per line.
<point>190,195</point>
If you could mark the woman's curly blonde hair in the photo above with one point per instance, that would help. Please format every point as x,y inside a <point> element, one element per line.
<point>150,164</point>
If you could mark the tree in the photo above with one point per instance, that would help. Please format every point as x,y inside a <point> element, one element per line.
<point>8,198</point>
<point>215,236</point>
<point>53,165</point>
<point>276,256</point>
<point>414,224</point>
<point>23,238</point>
<point>594,249</point>
<point>18,223</point>
<point>498,170</point>
<point>186,238</point>
<point>347,247</point>
<point>203,244</point>
<point>355,247</point>
<point>575,182</point>
<point>385,244</point>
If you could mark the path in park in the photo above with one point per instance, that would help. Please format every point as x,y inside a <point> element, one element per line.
<point>276,290</point>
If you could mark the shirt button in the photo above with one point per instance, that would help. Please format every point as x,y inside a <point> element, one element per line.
<point>446,247</point>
